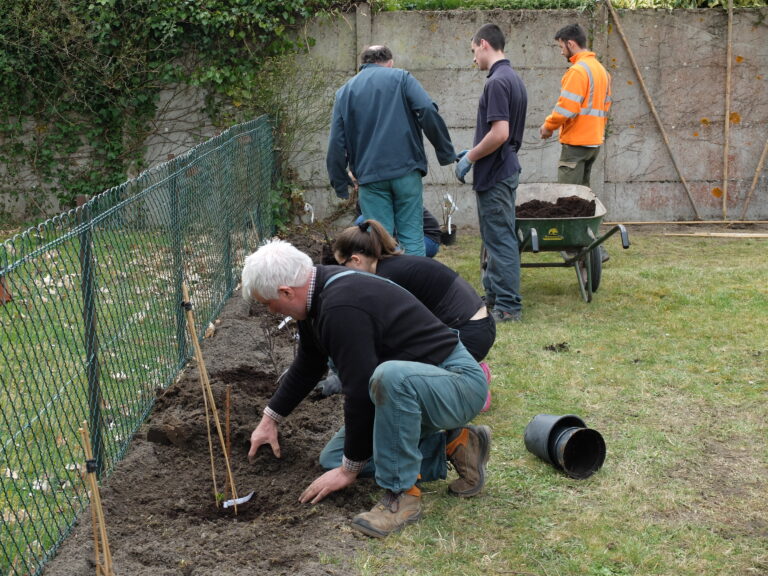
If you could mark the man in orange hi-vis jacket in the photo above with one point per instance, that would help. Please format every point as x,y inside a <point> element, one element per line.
<point>581,112</point>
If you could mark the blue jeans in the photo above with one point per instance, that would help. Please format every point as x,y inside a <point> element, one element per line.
<point>431,247</point>
<point>415,402</point>
<point>496,214</point>
<point>397,205</point>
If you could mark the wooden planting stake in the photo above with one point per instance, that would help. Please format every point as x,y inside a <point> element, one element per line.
<point>756,177</point>
<point>100,540</point>
<point>5,293</point>
<point>210,438</point>
<point>651,105</point>
<point>208,399</point>
<point>227,406</point>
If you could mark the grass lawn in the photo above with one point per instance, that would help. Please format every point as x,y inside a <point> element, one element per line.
<point>668,362</point>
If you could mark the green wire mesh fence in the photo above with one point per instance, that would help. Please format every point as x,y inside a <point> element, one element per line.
<point>91,323</point>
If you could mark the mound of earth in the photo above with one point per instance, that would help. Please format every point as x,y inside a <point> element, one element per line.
<point>565,207</point>
<point>159,502</point>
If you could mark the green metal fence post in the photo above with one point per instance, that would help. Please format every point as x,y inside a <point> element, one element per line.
<point>227,196</point>
<point>91,336</point>
<point>177,243</point>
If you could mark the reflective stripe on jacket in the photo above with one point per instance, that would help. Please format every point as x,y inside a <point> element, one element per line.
<point>581,112</point>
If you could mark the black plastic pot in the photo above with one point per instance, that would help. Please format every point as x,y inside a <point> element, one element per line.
<point>566,443</point>
<point>446,238</point>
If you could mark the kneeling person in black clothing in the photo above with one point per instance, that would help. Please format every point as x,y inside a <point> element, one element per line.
<point>406,378</point>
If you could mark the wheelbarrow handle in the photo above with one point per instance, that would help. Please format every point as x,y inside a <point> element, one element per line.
<point>531,239</point>
<point>617,228</point>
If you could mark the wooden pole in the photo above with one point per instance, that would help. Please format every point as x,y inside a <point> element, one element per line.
<point>100,539</point>
<point>755,178</point>
<point>227,406</point>
<point>207,391</point>
<point>727,122</point>
<point>739,235</point>
<point>5,293</point>
<point>648,99</point>
<point>208,431</point>
<point>96,537</point>
<point>684,222</point>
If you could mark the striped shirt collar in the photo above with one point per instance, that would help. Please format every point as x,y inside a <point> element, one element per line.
<point>311,291</point>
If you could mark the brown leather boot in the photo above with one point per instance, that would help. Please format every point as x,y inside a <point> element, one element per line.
<point>468,450</point>
<point>392,513</point>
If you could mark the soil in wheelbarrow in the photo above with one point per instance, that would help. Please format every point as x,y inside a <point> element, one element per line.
<point>565,207</point>
<point>159,502</point>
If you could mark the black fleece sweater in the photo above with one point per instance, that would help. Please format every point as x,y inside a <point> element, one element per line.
<point>359,321</point>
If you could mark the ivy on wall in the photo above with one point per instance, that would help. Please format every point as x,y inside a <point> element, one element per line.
<point>80,80</point>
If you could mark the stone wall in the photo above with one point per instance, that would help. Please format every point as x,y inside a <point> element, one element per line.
<point>681,56</point>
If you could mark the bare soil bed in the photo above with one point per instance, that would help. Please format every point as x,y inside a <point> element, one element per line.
<point>159,503</point>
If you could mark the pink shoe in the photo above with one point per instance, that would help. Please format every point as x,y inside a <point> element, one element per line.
<point>487,371</point>
<point>487,405</point>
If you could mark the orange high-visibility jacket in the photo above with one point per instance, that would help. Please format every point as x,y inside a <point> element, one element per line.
<point>581,112</point>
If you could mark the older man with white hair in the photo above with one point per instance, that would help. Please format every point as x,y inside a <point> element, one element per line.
<point>410,386</point>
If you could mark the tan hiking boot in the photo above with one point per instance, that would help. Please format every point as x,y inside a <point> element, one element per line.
<point>468,450</point>
<point>392,513</point>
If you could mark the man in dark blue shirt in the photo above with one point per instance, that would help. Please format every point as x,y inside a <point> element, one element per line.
<point>498,136</point>
<point>378,119</point>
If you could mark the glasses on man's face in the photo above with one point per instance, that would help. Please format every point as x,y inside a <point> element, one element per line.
<point>345,262</point>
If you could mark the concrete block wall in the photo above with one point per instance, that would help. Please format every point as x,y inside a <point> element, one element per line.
<point>681,56</point>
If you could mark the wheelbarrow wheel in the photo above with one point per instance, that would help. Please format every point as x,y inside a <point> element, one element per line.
<point>597,268</point>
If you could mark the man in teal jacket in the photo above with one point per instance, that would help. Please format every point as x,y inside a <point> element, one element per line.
<point>378,120</point>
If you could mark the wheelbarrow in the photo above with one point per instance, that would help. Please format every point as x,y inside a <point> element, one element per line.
<point>575,238</point>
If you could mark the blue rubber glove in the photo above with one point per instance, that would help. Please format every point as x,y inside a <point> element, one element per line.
<point>463,166</point>
<point>330,386</point>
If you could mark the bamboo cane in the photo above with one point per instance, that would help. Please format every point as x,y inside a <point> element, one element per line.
<point>96,546</point>
<point>207,387</point>
<point>100,538</point>
<point>210,439</point>
<point>651,105</point>
<point>227,407</point>
<point>193,335</point>
<point>755,178</point>
<point>727,122</point>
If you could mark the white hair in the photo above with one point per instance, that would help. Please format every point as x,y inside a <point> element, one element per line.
<point>276,263</point>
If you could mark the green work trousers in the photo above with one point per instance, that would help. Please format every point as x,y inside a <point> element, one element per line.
<point>576,163</point>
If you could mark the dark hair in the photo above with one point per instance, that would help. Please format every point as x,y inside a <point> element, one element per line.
<point>491,34</point>
<point>369,239</point>
<point>376,55</point>
<point>572,32</point>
